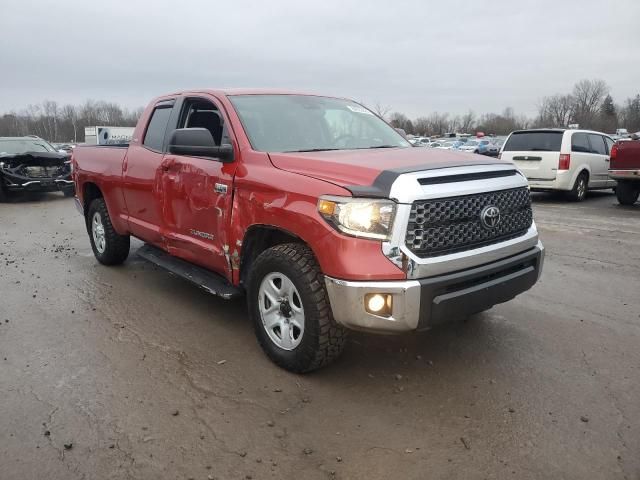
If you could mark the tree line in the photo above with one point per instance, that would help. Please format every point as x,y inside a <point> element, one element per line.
<point>65,123</point>
<point>589,104</point>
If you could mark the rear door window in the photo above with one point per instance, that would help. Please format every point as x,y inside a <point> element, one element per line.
<point>580,143</point>
<point>154,137</point>
<point>532,141</point>
<point>597,144</point>
<point>609,143</point>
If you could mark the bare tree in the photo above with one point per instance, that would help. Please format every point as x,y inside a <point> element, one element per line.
<point>421,125</point>
<point>49,119</point>
<point>400,120</point>
<point>70,114</point>
<point>381,110</point>
<point>630,114</point>
<point>467,122</point>
<point>556,111</point>
<point>56,124</point>
<point>438,123</point>
<point>588,96</point>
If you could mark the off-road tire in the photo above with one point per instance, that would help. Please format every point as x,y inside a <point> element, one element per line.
<point>323,339</point>
<point>627,192</point>
<point>117,246</point>
<point>578,194</point>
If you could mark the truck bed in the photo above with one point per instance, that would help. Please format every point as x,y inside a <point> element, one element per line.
<point>100,159</point>
<point>627,157</point>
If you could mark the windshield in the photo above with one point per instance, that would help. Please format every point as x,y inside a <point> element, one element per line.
<point>295,123</point>
<point>22,145</point>
<point>541,141</point>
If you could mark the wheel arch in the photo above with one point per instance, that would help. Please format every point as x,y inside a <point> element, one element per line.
<point>257,239</point>
<point>583,168</point>
<point>90,191</point>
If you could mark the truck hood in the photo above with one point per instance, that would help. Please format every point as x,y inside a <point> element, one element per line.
<point>358,170</point>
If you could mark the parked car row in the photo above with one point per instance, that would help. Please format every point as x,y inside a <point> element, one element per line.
<point>481,145</point>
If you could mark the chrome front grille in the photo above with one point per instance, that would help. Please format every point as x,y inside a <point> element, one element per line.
<point>448,225</point>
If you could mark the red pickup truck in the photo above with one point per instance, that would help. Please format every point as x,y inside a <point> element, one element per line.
<point>317,210</point>
<point>625,168</point>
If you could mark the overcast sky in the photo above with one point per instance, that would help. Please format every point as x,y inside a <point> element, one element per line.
<point>414,56</point>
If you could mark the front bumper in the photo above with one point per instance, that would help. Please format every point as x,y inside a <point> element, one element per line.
<point>422,303</point>
<point>15,183</point>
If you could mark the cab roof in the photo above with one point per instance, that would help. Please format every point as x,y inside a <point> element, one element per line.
<point>249,91</point>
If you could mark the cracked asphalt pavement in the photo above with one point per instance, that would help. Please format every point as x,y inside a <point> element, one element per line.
<point>128,372</point>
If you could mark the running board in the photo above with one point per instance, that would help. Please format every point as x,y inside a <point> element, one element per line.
<point>205,279</point>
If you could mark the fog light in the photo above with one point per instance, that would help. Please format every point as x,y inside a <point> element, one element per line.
<point>379,304</point>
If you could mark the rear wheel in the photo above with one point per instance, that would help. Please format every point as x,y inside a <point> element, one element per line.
<point>627,192</point>
<point>3,194</point>
<point>69,192</point>
<point>290,309</point>
<point>108,246</point>
<point>579,191</point>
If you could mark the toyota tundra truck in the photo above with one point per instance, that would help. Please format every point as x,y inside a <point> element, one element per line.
<point>625,168</point>
<point>316,210</point>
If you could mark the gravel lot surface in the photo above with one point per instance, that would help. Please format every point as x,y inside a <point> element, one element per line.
<point>127,372</point>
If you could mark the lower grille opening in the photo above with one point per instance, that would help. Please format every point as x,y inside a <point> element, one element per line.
<point>486,278</point>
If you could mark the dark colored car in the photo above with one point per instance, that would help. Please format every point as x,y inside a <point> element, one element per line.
<point>32,164</point>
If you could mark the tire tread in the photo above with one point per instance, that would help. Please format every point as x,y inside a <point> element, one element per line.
<point>117,246</point>
<point>330,336</point>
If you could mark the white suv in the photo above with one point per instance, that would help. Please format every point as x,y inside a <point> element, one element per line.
<point>558,159</point>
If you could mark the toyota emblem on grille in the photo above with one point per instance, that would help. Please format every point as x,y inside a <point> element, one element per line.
<point>490,216</point>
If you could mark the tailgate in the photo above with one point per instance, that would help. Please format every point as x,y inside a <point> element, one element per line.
<point>535,152</point>
<point>535,165</point>
<point>628,155</point>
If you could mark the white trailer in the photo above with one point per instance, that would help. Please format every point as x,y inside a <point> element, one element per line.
<point>107,135</point>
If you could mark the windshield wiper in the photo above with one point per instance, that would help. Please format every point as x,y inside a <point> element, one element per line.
<point>383,146</point>
<point>541,150</point>
<point>313,150</point>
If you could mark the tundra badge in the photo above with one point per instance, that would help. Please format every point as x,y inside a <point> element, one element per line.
<point>198,233</point>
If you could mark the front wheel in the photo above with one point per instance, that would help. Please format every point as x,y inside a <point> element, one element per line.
<point>109,247</point>
<point>627,192</point>
<point>290,309</point>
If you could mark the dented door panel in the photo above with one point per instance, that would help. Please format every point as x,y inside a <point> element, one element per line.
<point>194,212</point>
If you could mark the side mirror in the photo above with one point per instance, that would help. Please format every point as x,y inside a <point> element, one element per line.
<point>198,142</point>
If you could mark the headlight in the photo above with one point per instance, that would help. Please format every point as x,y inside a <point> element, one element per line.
<point>366,218</point>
